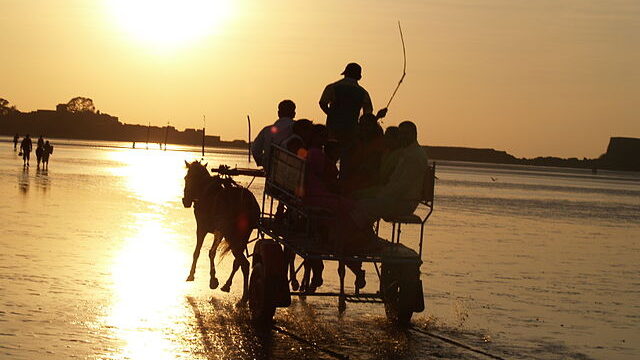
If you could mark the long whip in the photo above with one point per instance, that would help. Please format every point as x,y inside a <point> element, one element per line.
<point>404,66</point>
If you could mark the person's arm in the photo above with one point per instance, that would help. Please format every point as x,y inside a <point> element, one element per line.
<point>328,96</point>
<point>367,106</point>
<point>257,148</point>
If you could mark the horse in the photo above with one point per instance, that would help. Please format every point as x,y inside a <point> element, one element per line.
<point>228,211</point>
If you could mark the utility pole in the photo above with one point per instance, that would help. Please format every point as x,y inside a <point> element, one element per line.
<point>148,130</point>
<point>249,152</point>
<point>166,134</point>
<point>204,123</point>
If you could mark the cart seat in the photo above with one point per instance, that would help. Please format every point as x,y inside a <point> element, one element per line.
<point>426,199</point>
<point>406,219</point>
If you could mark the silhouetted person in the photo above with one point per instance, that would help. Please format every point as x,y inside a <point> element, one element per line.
<point>401,193</point>
<point>366,156</point>
<point>15,142</point>
<point>39,150</point>
<point>391,156</point>
<point>48,150</point>
<point>274,134</point>
<point>343,101</point>
<point>25,147</point>
<point>300,138</point>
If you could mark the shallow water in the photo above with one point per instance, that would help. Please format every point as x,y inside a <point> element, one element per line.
<point>542,263</point>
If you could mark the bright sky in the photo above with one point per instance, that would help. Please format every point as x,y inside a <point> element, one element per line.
<point>544,77</point>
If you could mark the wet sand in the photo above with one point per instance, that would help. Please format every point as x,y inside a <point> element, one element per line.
<point>540,264</point>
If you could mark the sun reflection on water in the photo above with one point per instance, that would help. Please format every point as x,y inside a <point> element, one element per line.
<point>149,292</point>
<point>149,313</point>
<point>153,175</point>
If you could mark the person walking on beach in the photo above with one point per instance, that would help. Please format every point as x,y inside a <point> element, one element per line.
<point>25,148</point>
<point>15,142</point>
<point>39,150</point>
<point>47,151</point>
<point>343,101</point>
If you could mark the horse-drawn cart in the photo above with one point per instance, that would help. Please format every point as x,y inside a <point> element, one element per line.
<point>297,230</point>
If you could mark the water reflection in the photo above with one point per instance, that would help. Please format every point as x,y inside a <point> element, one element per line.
<point>148,305</point>
<point>154,176</point>
<point>24,180</point>
<point>42,179</point>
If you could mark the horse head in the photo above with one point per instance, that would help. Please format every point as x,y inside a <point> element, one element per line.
<point>194,181</point>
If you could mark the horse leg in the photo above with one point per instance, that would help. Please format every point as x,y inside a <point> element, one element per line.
<point>244,265</point>
<point>304,286</point>
<point>290,258</point>
<point>213,281</point>
<point>227,285</point>
<point>200,234</point>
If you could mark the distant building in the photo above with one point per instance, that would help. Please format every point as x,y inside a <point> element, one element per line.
<point>623,153</point>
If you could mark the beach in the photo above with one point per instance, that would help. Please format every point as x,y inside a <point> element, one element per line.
<point>522,262</point>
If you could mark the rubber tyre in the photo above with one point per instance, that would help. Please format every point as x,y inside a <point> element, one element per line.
<point>261,306</point>
<point>397,299</point>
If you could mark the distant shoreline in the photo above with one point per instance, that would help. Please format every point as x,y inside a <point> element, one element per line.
<point>118,144</point>
<point>622,153</point>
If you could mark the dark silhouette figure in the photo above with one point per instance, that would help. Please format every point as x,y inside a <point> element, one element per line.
<point>25,148</point>
<point>15,142</point>
<point>226,210</point>
<point>343,101</point>
<point>47,151</point>
<point>274,134</point>
<point>39,150</point>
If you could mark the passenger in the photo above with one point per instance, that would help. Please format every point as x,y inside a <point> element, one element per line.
<point>15,142</point>
<point>343,101</point>
<point>39,150</point>
<point>48,150</point>
<point>366,157</point>
<point>25,148</point>
<point>332,151</point>
<point>391,155</point>
<point>321,191</point>
<point>401,194</point>
<point>299,139</point>
<point>296,143</point>
<point>321,187</point>
<point>273,134</point>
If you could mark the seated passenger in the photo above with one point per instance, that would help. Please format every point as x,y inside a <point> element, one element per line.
<point>321,191</point>
<point>391,154</point>
<point>365,159</point>
<point>322,175</point>
<point>401,194</point>
<point>273,134</point>
<point>300,137</point>
<point>389,160</point>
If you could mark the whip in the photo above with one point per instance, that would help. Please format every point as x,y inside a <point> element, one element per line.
<point>404,66</point>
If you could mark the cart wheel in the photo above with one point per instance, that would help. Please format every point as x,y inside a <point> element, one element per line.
<point>261,305</point>
<point>397,295</point>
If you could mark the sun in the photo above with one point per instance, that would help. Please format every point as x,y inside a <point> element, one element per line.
<point>169,24</point>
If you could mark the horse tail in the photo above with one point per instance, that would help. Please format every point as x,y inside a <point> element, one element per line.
<point>224,248</point>
<point>242,216</point>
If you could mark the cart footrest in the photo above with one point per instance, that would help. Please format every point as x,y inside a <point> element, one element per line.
<point>364,298</point>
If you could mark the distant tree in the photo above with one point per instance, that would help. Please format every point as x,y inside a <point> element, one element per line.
<point>80,104</point>
<point>5,109</point>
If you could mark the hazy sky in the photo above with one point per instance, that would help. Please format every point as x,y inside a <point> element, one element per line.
<point>543,77</point>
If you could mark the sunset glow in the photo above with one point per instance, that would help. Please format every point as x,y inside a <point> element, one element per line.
<point>169,24</point>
